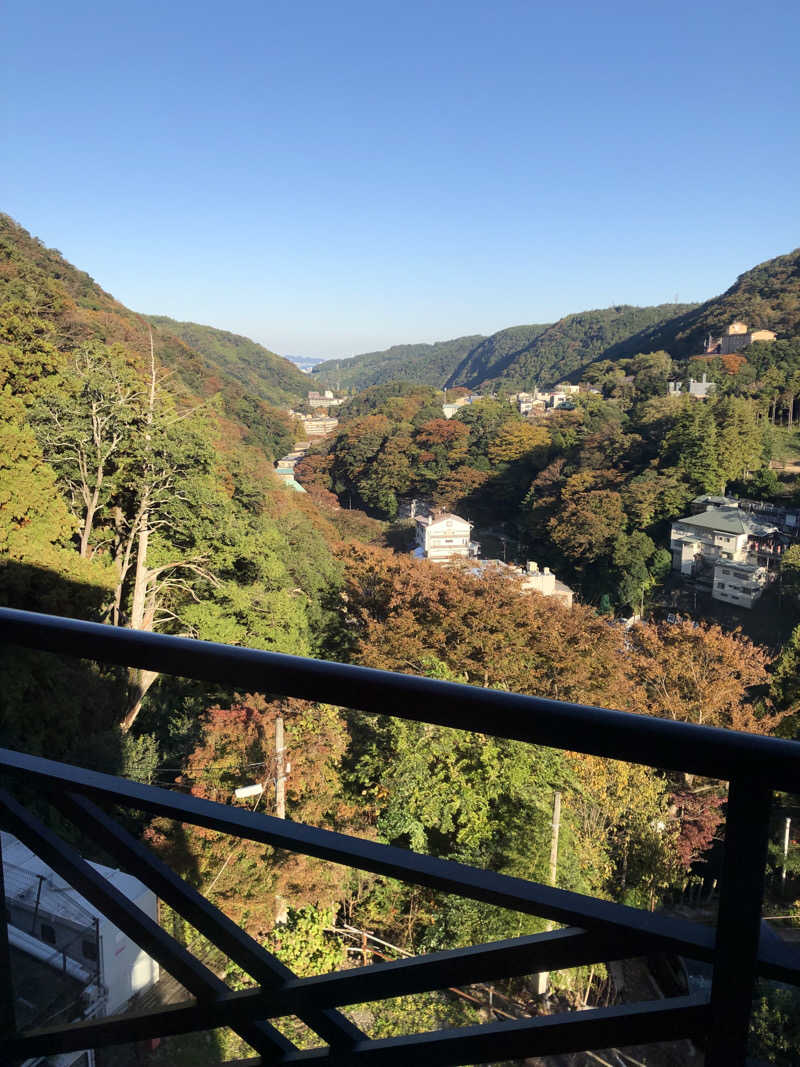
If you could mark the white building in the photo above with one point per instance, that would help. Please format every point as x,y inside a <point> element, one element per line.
<point>729,547</point>
<point>528,578</point>
<point>326,399</point>
<point>442,537</point>
<point>545,583</point>
<point>70,960</point>
<point>702,389</point>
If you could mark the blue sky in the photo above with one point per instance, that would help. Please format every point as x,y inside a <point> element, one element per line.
<point>332,178</point>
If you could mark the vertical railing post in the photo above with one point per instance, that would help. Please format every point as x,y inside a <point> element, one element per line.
<point>8,1024</point>
<point>739,921</point>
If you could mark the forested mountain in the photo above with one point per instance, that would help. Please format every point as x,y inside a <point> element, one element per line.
<point>426,364</point>
<point>78,311</point>
<point>528,356</point>
<point>136,487</point>
<point>261,372</point>
<point>765,297</point>
<point>517,357</point>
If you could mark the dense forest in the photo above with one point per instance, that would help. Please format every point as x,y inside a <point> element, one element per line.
<point>428,364</point>
<point>529,356</point>
<point>136,488</point>
<point>261,373</point>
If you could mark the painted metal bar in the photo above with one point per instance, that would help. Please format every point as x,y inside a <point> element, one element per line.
<point>133,856</point>
<point>502,959</point>
<point>704,750</point>
<point>561,905</point>
<point>739,921</point>
<point>7,1013</point>
<point>671,1020</point>
<point>129,918</point>
<point>631,1024</point>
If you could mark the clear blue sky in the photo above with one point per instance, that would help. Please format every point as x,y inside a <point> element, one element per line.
<point>330,178</point>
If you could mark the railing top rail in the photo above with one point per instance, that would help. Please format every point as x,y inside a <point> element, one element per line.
<point>661,743</point>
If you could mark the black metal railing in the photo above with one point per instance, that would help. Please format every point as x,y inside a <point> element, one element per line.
<point>740,948</point>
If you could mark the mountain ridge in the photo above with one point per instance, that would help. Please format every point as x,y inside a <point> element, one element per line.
<point>260,371</point>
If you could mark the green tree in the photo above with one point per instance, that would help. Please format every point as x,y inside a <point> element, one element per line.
<point>692,447</point>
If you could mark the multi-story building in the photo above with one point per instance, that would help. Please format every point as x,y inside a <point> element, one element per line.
<point>442,537</point>
<point>735,550</point>
<point>736,337</point>
<point>326,399</point>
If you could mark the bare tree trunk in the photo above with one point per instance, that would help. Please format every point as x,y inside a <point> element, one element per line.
<point>91,510</point>
<point>143,594</point>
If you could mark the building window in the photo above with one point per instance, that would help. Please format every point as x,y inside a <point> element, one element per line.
<point>47,933</point>
<point>89,950</point>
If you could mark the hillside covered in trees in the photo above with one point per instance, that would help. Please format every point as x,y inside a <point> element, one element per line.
<point>260,372</point>
<point>137,488</point>
<point>426,364</point>
<point>767,297</point>
<point>42,284</point>
<point>528,356</point>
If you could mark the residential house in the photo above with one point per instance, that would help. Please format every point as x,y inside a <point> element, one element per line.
<point>529,578</point>
<point>736,550</point>
<point>442,537</point>
<point>545,583</point>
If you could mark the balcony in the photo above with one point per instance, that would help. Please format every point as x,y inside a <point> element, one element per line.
<point>740,948</point>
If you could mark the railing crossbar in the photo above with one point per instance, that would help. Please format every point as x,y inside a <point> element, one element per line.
<point>661,743</point>
<point>207,919</point>
<point>673,1019</point>
<point>506,891</point>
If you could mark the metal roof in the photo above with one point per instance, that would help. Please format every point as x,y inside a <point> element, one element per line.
<point>22,870</point>
<point>728,520</point>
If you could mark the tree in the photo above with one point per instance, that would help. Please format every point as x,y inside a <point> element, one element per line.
<point>651,372</point>
<point>697,672</point>
<point>516,439</point>
<point>589,521</point>
<point>459,488</point>
<point>691,446</point>
<point>790,571</point>
<point>84,421</point>
<point>401,612</point>
<point>785,684</point>
<point>740,438</point>
<point>252,882</point>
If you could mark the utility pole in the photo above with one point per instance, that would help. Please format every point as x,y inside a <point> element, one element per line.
<point>281,769</point>
<point>541,978</point>
<point>785,851</point>
<point>280,773</point>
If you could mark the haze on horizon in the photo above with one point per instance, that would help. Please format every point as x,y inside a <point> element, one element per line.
<point>336,179</point>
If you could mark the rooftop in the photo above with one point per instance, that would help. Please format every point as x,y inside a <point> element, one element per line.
<point>22,868</point>
<point>729,520</point>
